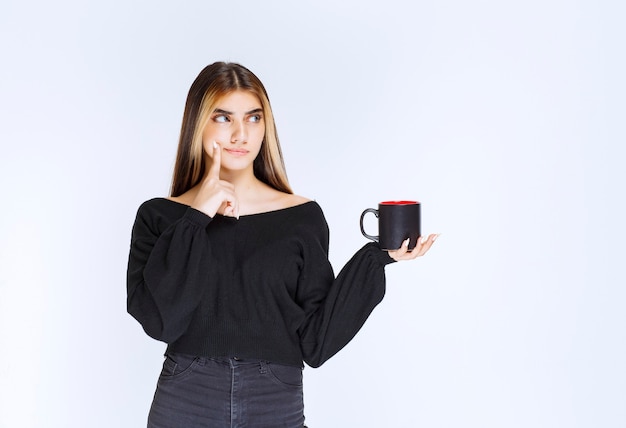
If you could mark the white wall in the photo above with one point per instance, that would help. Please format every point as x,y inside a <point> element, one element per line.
<point>505,118</point>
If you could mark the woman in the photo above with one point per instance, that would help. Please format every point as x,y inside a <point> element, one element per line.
<point>232,270</point>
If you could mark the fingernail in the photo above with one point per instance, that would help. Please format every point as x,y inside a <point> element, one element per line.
<point>406,243</point>
<point>214,145</point>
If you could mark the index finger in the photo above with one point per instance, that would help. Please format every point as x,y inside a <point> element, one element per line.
<point>214,171</point>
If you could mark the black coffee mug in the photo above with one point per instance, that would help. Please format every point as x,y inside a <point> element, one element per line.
<point>397,221</point>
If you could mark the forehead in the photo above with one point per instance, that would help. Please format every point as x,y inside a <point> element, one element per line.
<point>238,101</point>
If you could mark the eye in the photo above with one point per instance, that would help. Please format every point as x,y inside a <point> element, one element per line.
<point>255,118</point>
<point>220,118</point>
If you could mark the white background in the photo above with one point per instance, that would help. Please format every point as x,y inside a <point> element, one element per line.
<point>505,118</point>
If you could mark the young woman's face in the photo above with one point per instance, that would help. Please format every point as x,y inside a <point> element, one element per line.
<point>237,125</point>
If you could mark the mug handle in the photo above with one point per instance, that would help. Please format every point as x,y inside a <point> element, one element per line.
<point>369,210</point>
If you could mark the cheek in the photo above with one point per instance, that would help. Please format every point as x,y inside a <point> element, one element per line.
<point>259,134</point>
<point>260,138</point>
<point>210,135</point>
<point>207,147</point>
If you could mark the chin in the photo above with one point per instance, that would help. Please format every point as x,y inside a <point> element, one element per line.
<point>236,166</point>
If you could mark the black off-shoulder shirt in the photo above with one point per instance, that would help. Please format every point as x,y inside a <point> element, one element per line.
<point>259,287</point>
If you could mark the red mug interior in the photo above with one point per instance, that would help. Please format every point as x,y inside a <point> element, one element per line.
<point>399,203</point>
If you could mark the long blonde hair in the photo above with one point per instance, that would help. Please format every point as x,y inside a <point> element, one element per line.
<point>213,82</point>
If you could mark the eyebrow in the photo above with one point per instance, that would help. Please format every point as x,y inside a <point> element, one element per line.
<point>230,113</point>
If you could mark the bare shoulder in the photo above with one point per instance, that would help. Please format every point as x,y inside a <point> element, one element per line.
<point>186,198</point>
<point>292,200</point>
<point>272,200</point>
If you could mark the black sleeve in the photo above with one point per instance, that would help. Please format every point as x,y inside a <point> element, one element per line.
<point>167,271</point>
<point>336,308</point>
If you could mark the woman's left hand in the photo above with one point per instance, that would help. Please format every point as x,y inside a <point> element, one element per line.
<point>422,246</point>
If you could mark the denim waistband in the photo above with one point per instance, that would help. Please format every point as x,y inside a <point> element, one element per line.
<point>229,361</point>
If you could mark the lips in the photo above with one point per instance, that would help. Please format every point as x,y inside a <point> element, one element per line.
<point>237,152</point>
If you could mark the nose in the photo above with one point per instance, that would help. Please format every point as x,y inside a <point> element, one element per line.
<point>240,133</point>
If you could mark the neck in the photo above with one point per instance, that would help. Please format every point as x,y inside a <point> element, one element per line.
<point>246,184</point>
<point>244,178</point>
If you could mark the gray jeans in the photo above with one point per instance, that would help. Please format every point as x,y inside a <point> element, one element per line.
<point>195,392</point>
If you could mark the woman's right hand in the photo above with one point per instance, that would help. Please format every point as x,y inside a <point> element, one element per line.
<point>215,193</point>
